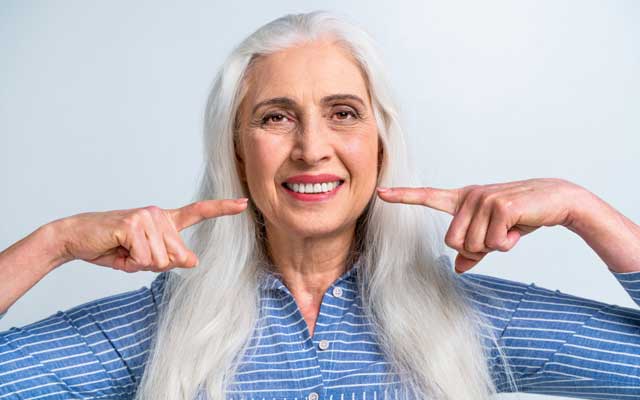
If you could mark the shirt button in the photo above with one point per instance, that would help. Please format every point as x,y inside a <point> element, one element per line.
<point>324,344</point>
<point>337,291</point>
<point>314,396</point>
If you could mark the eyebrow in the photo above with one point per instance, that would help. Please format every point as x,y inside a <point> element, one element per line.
<point>289,102</point>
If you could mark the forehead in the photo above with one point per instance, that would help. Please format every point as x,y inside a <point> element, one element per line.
<point>306,72</point>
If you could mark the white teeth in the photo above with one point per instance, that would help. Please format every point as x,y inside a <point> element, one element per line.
<point>313,187</point>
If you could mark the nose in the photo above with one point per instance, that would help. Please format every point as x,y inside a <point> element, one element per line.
<point>312,144</point>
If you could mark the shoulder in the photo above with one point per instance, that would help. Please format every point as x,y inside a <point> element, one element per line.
<point>494,299</point>
<point>504,289</point>
<point>486,288</point>
<point>111,311</point>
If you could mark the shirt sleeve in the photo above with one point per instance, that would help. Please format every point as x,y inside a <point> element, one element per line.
<point>94,350</point>
<point>559,344</point>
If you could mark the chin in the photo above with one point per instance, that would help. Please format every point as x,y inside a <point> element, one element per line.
<point>314,230</point>
<point>315,227</point>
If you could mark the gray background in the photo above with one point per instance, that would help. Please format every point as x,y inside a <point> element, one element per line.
<point>101,106</point>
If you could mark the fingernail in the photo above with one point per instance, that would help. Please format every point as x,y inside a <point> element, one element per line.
<point>242,200</point>
<point>381,189</point>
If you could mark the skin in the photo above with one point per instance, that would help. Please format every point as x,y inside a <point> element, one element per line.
<point>309,242</point>
<point>138,239</point>
<point>495,216</point>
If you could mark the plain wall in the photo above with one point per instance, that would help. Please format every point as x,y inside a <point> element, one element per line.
<point>101,109</point>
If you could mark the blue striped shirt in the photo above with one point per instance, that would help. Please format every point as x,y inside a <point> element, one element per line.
<point>557,344</point>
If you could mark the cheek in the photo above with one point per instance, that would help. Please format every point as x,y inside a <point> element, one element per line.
<point>262,161</point>
<point>363,155</point>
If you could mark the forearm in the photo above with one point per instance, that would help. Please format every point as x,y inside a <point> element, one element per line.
<point>24,263</point>
<point>614,237</point>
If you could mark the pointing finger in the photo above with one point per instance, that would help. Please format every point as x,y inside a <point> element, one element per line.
<point>441,199</point>
<point>193,213</point>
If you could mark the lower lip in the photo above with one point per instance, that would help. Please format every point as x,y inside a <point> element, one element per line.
<point>312,196</point>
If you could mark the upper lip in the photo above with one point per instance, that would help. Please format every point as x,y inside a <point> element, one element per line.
<point>321,178</point>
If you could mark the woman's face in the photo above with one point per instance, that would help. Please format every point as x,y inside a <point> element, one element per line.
<point>305,125</point>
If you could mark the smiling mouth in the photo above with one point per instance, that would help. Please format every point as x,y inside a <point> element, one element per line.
<point>313,188</point>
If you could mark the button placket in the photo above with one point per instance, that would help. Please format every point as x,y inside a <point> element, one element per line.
<point>305,344</point>
<point>323,344</point>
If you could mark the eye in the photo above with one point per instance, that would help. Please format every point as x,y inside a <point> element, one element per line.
<point>274,118</point>
<point>344,115</point>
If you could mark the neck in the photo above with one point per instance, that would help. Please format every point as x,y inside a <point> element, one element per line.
<point>309,265</point>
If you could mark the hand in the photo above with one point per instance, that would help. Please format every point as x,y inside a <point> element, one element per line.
<point>139,239</point>
<point>493,217</point>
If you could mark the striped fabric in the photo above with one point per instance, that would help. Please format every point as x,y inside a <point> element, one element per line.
<point>556,343</point>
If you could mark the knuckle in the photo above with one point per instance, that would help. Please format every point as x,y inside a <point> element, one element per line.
<point>131,221</point>
<point>488,197</point>
<point>476,256</point>
<point>503,246</point>
<point>145,262</point>
<point>473,195</point>
<point>474,247</point>
<point>154,211</point>
<point>134,264</point>
<point>503,205</point>
<point>144,213</point>
<point>156,268</point>
<point>182,258</point>
<point>452,241</point>
<point>496,243</point>
<point>164,264</point>
<point>464,253</point>
<point>475,190</point>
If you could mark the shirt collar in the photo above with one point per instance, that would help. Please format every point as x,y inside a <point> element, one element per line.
<point>270,280</point>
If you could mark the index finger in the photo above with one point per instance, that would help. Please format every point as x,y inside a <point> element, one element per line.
<point>193,213</point>
<point>441,199</point>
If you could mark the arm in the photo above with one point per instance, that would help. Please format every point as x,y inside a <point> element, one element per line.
<point>24,263</point>
<point>130,240</point>
<point>614,237</point>
<point>560,344</point>
<point>495,216</point>
<point>96,349</point>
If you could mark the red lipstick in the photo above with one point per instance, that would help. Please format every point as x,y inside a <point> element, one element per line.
<point>314,178</point>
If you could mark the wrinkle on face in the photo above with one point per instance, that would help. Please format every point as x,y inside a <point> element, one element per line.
<point>307,94</point>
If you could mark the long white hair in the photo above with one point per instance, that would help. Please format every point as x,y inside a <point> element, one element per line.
<point>424,322</point>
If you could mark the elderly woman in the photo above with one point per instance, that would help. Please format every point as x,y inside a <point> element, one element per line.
<point>308,283</point>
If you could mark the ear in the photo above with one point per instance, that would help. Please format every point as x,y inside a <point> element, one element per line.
<point>380,156</point>
<point>237,149</point>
